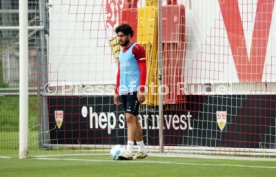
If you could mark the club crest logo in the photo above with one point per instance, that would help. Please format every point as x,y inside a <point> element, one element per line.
<point>221,119</point>
<point>59,118</point>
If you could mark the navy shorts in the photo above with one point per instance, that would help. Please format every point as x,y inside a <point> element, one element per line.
<point>130,103</point>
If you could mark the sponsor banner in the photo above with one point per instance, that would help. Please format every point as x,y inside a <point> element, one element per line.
<point>241,121</point>
<point>95,120</point>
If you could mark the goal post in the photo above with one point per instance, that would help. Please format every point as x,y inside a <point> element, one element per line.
<point>23,80</point>
<point>160,75</point>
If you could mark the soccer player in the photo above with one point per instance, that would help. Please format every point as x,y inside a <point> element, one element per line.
<point>130,87</point>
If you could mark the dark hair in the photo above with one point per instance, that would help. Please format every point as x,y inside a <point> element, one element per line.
<point>124,28</point>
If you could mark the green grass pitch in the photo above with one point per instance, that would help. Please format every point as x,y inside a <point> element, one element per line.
<point>103,166</point>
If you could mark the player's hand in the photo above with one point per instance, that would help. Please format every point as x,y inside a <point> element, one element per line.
<point>141,96</point>
<point>116,98</point>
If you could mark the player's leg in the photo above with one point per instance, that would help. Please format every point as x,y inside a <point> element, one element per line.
<point>131,134</point>
<point>138,136</point>
<point>134,130</point>
<point>131,131</point>
<point>126,156</point>
<point>140,143</point>
<point>132,109</point>
<point>130,114</point>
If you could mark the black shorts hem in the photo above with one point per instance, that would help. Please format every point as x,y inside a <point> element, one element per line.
<point>135,114</point>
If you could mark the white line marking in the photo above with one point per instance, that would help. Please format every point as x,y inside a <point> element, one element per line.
<point>66,155</point>
<point>5,157</point>
<point>232,158</point>
<point>197,156</point>
<point>161,162</point>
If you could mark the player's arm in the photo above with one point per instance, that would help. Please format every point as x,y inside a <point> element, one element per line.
<point>140,55</point>
<point>116,94</point>
<point>143,74</point>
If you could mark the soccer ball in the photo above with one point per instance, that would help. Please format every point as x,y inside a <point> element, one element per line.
<point>116,151</point>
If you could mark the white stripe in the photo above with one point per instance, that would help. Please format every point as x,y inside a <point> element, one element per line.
<point>5,157</point>
<point>142,58</point>
<point>67,155</point>
<point>198,156</point>
<point>163,162</point>
<point>167,155</point>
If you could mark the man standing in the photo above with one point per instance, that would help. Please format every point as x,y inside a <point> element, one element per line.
<point>130,87</point>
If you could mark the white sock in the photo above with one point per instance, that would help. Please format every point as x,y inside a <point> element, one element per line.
<point>130,146</point>
<point>141,146</point>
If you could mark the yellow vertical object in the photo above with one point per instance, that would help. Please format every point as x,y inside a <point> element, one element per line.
<point>115,46</point>
<point>147,37</point>
<point>152,3</point>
